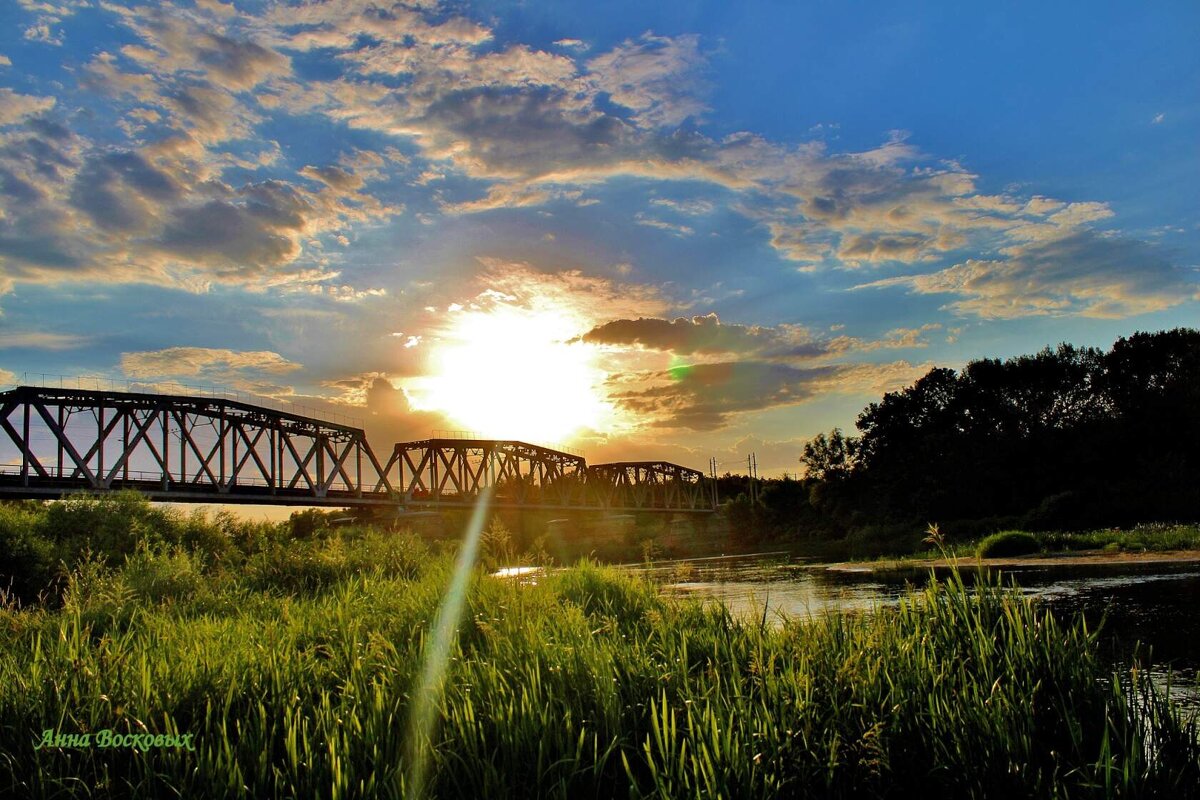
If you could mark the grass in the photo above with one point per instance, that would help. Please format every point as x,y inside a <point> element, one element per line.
<point>1147,538</point>
<point>1008,543</point>
<point>296,678</point>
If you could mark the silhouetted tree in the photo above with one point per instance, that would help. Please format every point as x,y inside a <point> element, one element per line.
<point>829,457</point>
<point>1067,437</point>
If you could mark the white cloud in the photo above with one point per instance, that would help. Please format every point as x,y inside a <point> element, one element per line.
<point>15,107</point>
<point>203,362</point>
<point>1080,273</point>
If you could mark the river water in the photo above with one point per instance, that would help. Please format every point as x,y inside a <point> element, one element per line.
<point>1150,612</point>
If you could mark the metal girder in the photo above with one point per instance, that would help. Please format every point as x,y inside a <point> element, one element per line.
<point>648,485</point>
<point>180,447</point>
<point>184,448</point>
<point>454,471</point>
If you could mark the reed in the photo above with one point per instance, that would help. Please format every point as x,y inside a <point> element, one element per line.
<point>585,682</point>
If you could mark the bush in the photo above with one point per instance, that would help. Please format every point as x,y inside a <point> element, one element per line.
<point>111,526</point>
<point>27,560</point>
<point>1008,543</point>
<point>881,540</point>
<point>159,577</point>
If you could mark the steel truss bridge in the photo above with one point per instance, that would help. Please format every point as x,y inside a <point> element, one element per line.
<point>184,448</point>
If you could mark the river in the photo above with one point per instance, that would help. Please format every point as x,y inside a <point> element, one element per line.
<point>1149,611</point>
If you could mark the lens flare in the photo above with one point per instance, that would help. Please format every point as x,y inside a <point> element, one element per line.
<point>422,718</point>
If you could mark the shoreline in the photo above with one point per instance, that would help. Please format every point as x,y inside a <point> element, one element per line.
<point>1057,559</point>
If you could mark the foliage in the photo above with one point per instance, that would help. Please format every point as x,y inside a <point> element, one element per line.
<point>1008,543</point>
<point>828,458</point>
<point>587,684</point>
<point>165,553</point>
<point>1065,439</point>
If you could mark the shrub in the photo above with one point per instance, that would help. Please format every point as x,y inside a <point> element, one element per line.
<point>111,526</point>
<point>27,561</point>
<point>878,540</point>
<point>1008,543</point>
<point>158,577</point>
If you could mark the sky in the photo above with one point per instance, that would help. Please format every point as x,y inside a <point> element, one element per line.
<point>678,230</point>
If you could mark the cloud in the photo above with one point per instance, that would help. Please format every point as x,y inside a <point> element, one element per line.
<point>591,298</point>
<point>653,76</point>
<point>718,371</point>
<point>204,362</point>
<point>507,125</point>
<point>706,396</point>
<point>1082,273</point>
<point>707,335</point>
<point>390,416</point>
<point>40,340</point>
<point>692,208</point>
<point>15,107</point>
<point>176,41</point>
<point>74,211</point>
<point>5,61</point>
<point>662,225</point>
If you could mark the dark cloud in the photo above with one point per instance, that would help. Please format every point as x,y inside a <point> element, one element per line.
<point>523,132</point>
<point>228,235</point>
<point>238,63</point>
<point>704,396</point>
<point>708,396</point>
<point>883,247</point>
<point>121,191</point>
<point>707,335</point>
<point>335,177</point>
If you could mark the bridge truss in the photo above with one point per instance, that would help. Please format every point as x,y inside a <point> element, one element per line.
<point>217,450</point>
<point>178,447</point>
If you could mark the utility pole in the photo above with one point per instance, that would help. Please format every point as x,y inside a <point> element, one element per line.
<point>712,468</point>
<point>752,468</point>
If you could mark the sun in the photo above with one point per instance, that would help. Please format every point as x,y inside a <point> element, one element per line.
<point>515,373</point>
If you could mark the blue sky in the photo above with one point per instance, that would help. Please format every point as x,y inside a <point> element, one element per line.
<point>672,230</point>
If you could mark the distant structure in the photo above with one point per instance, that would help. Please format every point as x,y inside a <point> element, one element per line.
<point>186,448</point>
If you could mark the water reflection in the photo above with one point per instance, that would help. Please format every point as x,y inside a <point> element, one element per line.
<point>1148,611</point>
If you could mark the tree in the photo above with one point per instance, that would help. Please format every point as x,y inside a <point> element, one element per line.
<point>829,458</point>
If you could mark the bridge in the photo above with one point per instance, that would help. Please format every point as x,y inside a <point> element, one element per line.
<point>185,448</point>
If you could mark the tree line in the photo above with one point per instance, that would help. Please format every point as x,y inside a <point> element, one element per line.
<point>1067,438</point>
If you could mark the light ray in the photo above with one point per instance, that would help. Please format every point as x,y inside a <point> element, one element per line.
<point>422,718</point>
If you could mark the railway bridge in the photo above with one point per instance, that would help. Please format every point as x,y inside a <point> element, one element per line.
<point>188,448</point>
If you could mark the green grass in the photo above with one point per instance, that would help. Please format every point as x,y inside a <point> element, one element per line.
<point>293,657</point>
<point>588,684</point>
<point>1150,538</point>
<point>1008,543</point>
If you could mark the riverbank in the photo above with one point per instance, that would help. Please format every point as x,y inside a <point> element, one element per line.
<point>1055,559</point>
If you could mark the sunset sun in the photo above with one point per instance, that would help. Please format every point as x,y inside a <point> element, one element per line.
<point>515,374</point>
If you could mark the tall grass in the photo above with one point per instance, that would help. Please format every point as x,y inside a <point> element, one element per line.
<point>585,684</point>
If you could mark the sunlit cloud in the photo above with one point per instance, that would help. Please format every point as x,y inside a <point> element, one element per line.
<point>1081,274</point>
<point>252,371</point>
<point>429,196</point>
